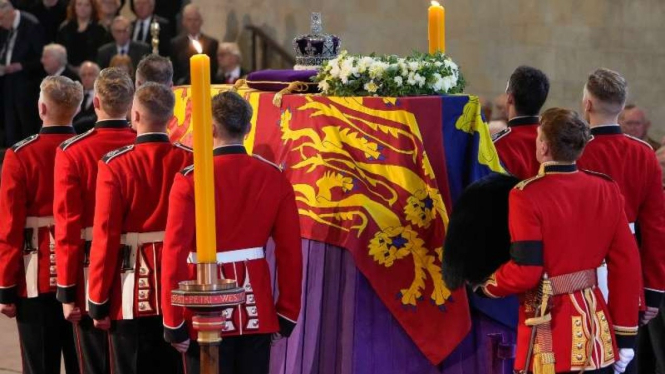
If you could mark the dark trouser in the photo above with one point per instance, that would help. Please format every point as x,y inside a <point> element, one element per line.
<point>44,334</point>
<point>138,346</point>
<point>247,354</point>
<point>20,113</point>
<point>92,347</point>
<point>650,352</point>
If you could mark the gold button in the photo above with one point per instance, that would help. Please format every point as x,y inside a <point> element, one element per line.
<point>602,317</point>
<point>578,323</point>
<point>579,334</point>
<point>579,357</point>
<point>579,345</point>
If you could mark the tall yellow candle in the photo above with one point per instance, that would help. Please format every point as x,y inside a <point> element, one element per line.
<point>436,16</point>
<point>206,247</point>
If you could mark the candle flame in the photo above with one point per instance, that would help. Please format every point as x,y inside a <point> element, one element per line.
<point>435,3</point>
<point>197,46</point>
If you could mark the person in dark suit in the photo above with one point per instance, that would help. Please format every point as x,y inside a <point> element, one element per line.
<point>21,44</point>
<point>229,61</point>
<point>167,9</point>
<point>145,16</point>
<point>108,10</point>
<point>121,44</point>
<point>81,34</point>
<point>86,117</point>
<point>50,13</point>
<point>54,61</point>
<point>182,48</point>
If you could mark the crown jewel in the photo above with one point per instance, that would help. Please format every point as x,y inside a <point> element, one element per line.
<point>315,48</point>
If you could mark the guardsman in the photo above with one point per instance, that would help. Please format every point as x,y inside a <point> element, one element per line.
<point>133,185</point>
<point>526,93</point>
<point>74,206</point>
<point>254,202</point>
<point>563,223</point>
<point>27,258</point>
<point>633,165</point>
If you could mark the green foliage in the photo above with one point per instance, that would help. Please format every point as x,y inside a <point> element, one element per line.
<point>390,76</point>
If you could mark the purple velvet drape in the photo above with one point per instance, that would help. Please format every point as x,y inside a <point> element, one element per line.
<point>344,328</point>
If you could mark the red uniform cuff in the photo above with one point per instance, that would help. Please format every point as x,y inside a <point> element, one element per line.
<point>8,295</point>
<point>176,335</point>
<point>66,295</point>
<point>653,297</point>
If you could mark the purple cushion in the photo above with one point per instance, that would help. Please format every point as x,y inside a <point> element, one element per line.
<point>277,80</point>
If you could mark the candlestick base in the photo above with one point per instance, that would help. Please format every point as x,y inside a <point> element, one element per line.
<point>207,297</point>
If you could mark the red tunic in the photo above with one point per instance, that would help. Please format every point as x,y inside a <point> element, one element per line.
<point>634,166</point>
<point>564,222</point>
<point>516,147</point>
<point>254,202</point>
<point>27,191</point>
<point>74,201</point>
<point>133,185</point>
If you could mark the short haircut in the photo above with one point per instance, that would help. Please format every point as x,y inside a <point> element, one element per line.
<point>609,88</point>
<point>231,48</point>
<point>121,19</point>
<point>232,113</point>
<point>529,87</point>
<point>62,96</point>
<point>6,5</point>
<point>115,90</point>
<point>155,68</point>
<point>59,51</point>
<point>158,100</point>
<point>566,133</point>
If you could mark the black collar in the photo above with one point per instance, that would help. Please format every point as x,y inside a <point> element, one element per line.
<point>229,150</point>
<point>559,168</point>
<point>606,130</point>
<point>112,124</point>
<point>520,121</point>
<point>153,137</point>
<point>57,130</point>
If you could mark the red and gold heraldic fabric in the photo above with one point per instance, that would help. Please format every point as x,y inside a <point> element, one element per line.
<point>363,171</point>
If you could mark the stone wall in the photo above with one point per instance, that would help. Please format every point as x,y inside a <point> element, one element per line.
<point>488,38</point>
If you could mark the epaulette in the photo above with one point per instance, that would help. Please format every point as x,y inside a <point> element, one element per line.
<point>182,146</point>
<point>117,152</point>
<point>602,175</point>
<point>64,145</point>
<point>267,162</point>
<point>24,142</point>
<point>639,140</point>
<point>186,171</point>
<point>501,134</point>
<point>520,186</point>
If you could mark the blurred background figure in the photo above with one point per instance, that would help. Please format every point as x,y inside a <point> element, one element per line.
<point>81,34</point>
<point>182,48</point>
<point>50,13</point>
<point>486,108</point>
<point>107,11</point>
<point>167,9</point>
<point>229,61</point>
<point>121,44</point>
<point>145,16</point>
<point>54,61</point>
<point>123,62</point>
<point>86,117</point>
<point>500,113</point>
<point>21,46</point>
<point>634,122</point>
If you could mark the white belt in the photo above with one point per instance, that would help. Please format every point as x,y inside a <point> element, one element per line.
<point>237,255</point>
<point>31,259</point>
<point>37,222</point>
<point>133,240</point>
<point>86,234</point>
<point>632,227</point>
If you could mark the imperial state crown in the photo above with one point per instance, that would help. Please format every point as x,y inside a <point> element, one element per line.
<point>315,48</point>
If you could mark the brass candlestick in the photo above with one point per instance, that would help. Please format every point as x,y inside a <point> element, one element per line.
<point>154,31</point>
<point>207,297</point>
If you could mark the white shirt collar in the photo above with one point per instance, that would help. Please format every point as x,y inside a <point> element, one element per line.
<point>196,37</point>
<point>235,73</point>
<point>59,72</point>
<point>17,19</point>
<point>125,47</point>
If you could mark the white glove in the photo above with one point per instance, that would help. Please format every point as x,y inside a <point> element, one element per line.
<point>625,356</point>
<point>275,338</point>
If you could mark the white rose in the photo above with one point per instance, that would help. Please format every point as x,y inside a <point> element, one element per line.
<point>438,64</point>
<point>398,80</point>
<point>411,79</point>
<point>420,80</point>
<point>413,66</point>
<point>371,87</point>
<point>324,86</point>
<point>334,71</point>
